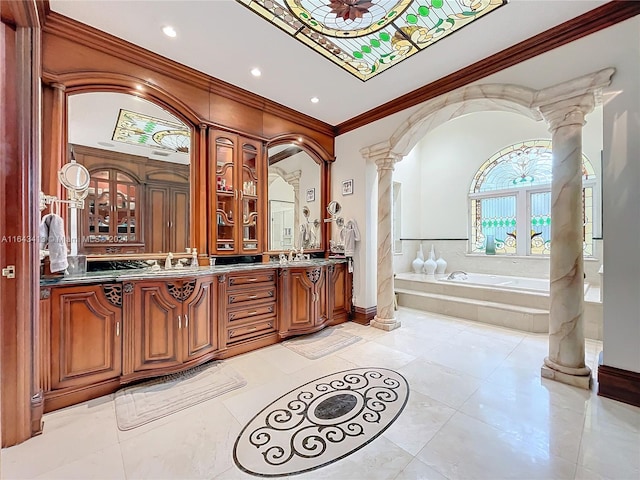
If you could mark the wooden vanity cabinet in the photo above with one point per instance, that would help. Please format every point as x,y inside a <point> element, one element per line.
<point>173,322</point>
<point>313,297</point>
<point>236,194</point>
<point>81,342</point>
<point>249,307</point>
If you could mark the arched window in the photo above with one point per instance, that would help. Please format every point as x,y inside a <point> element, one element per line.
<point>511,193</point>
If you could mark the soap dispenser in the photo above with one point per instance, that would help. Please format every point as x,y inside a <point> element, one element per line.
<point>194,258</point>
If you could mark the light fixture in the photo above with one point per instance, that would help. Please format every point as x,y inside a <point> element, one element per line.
<point>315,100</point>
<point>139,88</point>
<point>256,72</point>
<point>169,31</point>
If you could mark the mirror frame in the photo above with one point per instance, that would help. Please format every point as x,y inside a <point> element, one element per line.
<point>55,154</point>
<point>324,159</point>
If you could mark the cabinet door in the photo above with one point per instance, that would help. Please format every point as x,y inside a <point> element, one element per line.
<point>321,303</point>
<point>200,325</point>
<point>179,219</point>
<point>339,293</point>
<point>301,300</point>
<point>86,346</point>
<point>156,326</point>
<point>157,222</point>
<point>224,147</point>
<point>250,163</point>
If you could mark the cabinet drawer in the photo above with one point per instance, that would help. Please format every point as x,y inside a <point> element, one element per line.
<point>251,296</point>
<point>251,279</point>
<point>251,312</point>
<point>244,332</point>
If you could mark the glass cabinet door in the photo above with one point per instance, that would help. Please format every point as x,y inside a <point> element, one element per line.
<point>226,195</point>
<point>250,162</point>
<point>112,210</point>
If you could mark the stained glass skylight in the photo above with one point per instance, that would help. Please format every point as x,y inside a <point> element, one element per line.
<point>140,129</point>
<point>366,37</point>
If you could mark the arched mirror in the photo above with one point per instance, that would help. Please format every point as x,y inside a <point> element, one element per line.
<point>138,156</point>
<point>295,199</point>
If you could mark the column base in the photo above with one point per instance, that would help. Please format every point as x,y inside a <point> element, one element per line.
<point>580,381</point>
<point>386,324</point>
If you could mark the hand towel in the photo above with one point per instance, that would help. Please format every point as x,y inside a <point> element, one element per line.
<point>52,237</point>
<point>349,236</point>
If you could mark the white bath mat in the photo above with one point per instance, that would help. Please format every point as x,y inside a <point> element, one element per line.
<point>321,343</point>
<point>157,398</point>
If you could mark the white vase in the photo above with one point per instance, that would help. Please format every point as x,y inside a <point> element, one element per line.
<point>432,254</point>
<point>441,265</point>
<point>420,254</point>
<point>430,266</point>
<point>418,263</point>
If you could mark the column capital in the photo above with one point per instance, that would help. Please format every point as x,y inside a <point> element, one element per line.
<point>382,155</point>
<point>568,112</point>
<point>387,163</point>
<point>293,178</point>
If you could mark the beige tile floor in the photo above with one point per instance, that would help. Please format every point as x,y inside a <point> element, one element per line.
<point>478,409</point>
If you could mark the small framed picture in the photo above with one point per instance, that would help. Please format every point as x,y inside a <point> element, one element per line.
<point>347,187</point>
<point>311,195</point>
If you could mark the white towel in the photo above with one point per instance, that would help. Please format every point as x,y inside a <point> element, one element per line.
<point>349,235</point>
<point>52,237</point>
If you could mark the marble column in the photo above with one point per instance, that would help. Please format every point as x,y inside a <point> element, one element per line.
<point>385,318</point>
<point>565,362</point>
<point>293,179</point>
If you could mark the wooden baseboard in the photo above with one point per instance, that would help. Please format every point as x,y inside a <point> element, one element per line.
<point>618,384</point>
<point>363,315</point>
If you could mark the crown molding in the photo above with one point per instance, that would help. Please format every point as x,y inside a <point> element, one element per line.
<point>77,32</point>
<point>590,22</point>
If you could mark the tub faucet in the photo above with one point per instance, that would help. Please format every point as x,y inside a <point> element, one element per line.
<point>452,275</point>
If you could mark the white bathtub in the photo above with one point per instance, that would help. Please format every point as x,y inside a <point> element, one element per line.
<point>503,282</point>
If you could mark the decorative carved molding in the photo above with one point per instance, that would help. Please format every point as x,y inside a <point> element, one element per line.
<point>188,288</point>
<point>175,291</point>
<point>222,278</point>
<point>593,21</point>
<point>113,292</point>
<point>313,275</point>
<point>283,272</point>
<point>45,293</point>
<point>93,38</point>
<point>331,268</point>
<point>128,287</point>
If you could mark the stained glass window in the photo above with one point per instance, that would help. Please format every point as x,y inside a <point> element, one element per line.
<point>139,129</point>
<point>365,37</point>
<point>511,193</point>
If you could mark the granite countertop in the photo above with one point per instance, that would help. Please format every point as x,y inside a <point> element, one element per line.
<point>147,274</point>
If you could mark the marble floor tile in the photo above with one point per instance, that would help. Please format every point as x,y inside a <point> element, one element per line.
<point>420,421</point>
<point>196,445</point>
<point>441,383</point>
<point>467,448</point>
<point>373,354</point>
<point>478,409</point>
<point>71,434</point>
<point>102,465</point>
<point>418,470</point>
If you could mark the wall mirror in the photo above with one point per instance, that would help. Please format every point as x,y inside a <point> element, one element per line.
<point>295,199</point>
<point>138,156</point>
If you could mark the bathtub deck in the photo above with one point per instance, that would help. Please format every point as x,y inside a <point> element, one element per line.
<point>520,310</point>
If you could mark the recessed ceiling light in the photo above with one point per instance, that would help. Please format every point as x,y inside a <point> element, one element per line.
<point>169,31</point>
<point>256,72</point>
<point>315,100</point>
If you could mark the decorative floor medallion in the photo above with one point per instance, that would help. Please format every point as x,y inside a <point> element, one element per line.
<point>321,422</point>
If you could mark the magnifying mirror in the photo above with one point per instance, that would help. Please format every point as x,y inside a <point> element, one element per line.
<point>74,176</point>
<point>333,208</point>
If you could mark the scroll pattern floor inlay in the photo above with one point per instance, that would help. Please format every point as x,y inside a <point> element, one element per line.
<point>321,422</point>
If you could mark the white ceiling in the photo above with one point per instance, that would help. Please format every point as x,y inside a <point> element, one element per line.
<point>226,40</point>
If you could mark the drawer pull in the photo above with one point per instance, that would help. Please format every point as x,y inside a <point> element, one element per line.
<point>252,312</point>
<point>186,321</point>
<point>253,329</point>
<point>117,329</point>
<point>252,279</point>
<point>252,297</point>
<point>179,322</point>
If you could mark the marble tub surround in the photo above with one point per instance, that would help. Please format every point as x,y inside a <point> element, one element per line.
<point>461,422</point>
